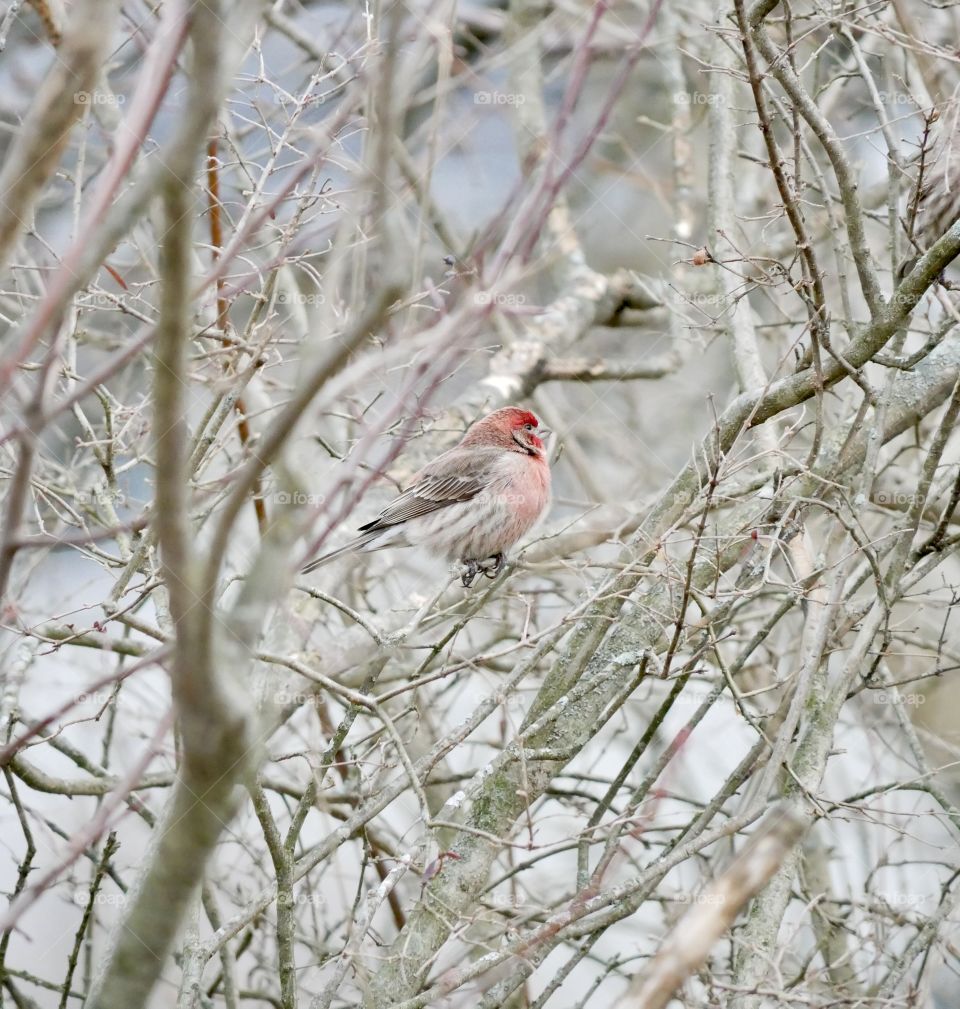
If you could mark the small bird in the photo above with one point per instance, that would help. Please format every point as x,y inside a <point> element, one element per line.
<point>473,502</point>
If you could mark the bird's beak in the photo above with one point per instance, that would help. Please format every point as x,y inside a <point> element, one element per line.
<point>544,431</point>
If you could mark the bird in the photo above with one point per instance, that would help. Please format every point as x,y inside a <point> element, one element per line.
<point>472,503</point>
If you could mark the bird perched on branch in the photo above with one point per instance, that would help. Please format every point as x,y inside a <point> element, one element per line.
<point>473,502</point>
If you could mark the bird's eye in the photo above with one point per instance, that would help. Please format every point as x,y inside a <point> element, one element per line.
<point>528,427</point>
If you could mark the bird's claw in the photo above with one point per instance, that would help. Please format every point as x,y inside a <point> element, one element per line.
<point>474,568</point>
<point>492,572</point>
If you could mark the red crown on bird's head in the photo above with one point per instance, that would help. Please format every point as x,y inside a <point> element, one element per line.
<point>518,417</point>
<point>509,427</point>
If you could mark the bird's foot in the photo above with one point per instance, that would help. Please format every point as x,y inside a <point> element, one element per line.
<point>490,567</point>
<point>471,570</point>
<point>493,570</point>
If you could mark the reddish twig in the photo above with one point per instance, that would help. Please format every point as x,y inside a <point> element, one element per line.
<point>223,314</point>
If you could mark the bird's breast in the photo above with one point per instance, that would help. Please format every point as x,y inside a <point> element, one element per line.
<point>524,480</point>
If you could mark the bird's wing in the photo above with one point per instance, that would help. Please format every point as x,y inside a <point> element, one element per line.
<point>457,475</point>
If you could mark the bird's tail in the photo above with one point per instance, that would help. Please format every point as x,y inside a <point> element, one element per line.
<point>348,548</point>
